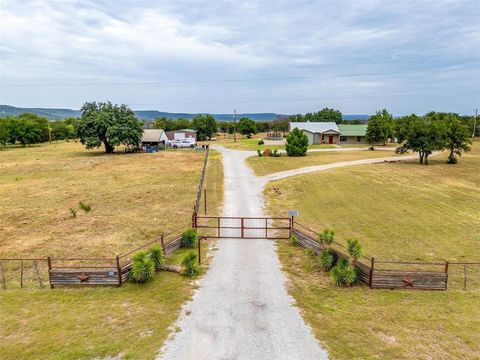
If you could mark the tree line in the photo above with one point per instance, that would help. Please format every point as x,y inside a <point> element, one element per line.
<point>435,131</point>
<point>27,129</point>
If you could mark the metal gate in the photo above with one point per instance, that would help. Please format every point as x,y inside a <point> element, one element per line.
<point>231,227</point>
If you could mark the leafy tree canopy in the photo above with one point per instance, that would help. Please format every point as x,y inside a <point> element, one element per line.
<point>324,115</point>
<point>247,127</point>
<point>380,128</point>
<point>108,124</point>
<point>205,125</point>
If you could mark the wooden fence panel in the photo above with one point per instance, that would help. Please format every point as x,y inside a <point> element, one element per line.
<point>409,280</point>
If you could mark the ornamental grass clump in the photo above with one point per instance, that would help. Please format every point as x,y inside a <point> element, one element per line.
<point>190,264</point>
<point>327,259</point>
<point>156,254</point>
<point>143,268</point>
<point>293,240</point>
<point>343,274</point>
<point>189,239</point>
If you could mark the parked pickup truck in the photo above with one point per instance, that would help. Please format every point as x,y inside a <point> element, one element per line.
<point>182,143</point>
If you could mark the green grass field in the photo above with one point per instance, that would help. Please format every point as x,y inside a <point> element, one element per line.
<point>398,211</point>
<point>134,198</point>
<point>267,165</point>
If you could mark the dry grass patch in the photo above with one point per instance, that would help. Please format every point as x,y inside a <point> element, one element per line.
<point>134,198</point>
<point>267,165</point>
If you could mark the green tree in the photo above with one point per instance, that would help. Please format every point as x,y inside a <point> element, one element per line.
<point>379,128</point>
<point>26,130</point>
<point>247,127</point>
<point>420,134</point>
<point>297,143</point>
<point>108,124</point>
<point>457,138</point>
<point>4,131</point>
<point>205,125</point>
<point>160,123</point>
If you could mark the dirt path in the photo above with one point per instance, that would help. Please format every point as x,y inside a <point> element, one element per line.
<point>316,168</point>
<point>242,310</point>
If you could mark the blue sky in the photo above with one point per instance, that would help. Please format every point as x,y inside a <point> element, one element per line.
<point>253,56</point>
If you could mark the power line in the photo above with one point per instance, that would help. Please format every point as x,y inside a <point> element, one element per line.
<point>208,81</point>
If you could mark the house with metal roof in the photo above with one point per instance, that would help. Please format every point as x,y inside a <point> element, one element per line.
<point>318,132</point>
<point>331,133</point>
<point>352,134</point>
<point>153,139</point>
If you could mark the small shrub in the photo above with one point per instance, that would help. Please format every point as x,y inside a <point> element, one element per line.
<point>344,274</point>
<point>189,239</point>
<point>452,160</point>
<point>190,263</point>
<point>261,142</point>
<point>156,254</point>
<point>143,268</point>
<point>267,152</point>
<point>73,212</point>
<point>259,152</point>
<point>327,237</point>
<point>309,252</point>
<point>275,153</point>
<point>354,249</point>
<point>293,240</point>
<point>85,207</point>
<point>326,259</point>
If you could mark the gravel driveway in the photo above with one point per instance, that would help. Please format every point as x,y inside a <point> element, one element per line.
<point>242,309</point>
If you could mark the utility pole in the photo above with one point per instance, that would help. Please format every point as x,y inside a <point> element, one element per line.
<point>475,124</point>
<point>49,134</point>
<point>234,125</point>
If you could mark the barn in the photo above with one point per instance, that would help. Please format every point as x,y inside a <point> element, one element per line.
<point>153,140</point>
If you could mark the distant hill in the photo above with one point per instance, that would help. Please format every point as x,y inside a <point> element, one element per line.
<point>57,114</point>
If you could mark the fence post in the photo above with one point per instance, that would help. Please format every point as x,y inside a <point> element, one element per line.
<point>205,200</point>
<point>465,277</point>
<point>119,271</point>
<point>4,282</point>
<point>291,227</point>
<point>163,244</point>
<point>199,255</point>
<point>241,225</point>
<point>21,273</point>
<point>372,264</point>
<point>218,226</point>
<point>49,262</point>
<point>446,273</point>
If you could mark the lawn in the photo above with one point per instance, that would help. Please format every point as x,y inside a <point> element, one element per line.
<point>359,323</point>
<point>134,198</point>
<point>267,165</point>
<point>213,185</point>
<point>400,211</point>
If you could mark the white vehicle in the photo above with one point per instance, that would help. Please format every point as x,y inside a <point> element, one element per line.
<point>183,143</point>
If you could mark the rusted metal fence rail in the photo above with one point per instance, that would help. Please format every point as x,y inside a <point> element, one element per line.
<point>406,275</point>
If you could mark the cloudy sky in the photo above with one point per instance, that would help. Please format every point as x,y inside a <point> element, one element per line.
<point>253,56</point>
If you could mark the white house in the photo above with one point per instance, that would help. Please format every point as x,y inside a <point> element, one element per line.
<point>319,132</point>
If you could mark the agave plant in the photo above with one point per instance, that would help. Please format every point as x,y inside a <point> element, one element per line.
<point>326,259</point>
<point>143,268</point>
<point>156,254</point>
<point>190,263</point>
<point>354,250</point>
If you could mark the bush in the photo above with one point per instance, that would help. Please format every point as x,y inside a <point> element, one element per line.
<point>326,259</point>
<point>267,152</point>
<point>189,239</point>
<point>293,240</point>
<point>261,142</point>
<point>156,254</point>
<point>259,152</point>
<point>354,249</point>
<point>85,207</point>
<point>275,153</point>
<point>327,237</point>
<point>190,263</point>
<point>143,268</point>
<point>343,274</point>
<point>452,160</point>
<point>73,212</point>
<point>297,143</point>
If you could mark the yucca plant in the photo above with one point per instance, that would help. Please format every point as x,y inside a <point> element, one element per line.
<point>327,237</point>
<point>354,250</point>
<point>143,268</point>
<point>189,238</point>
<point>343,274</point>
<point>156,254</point>
<point>190,263</point>
<point>326,259</point>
